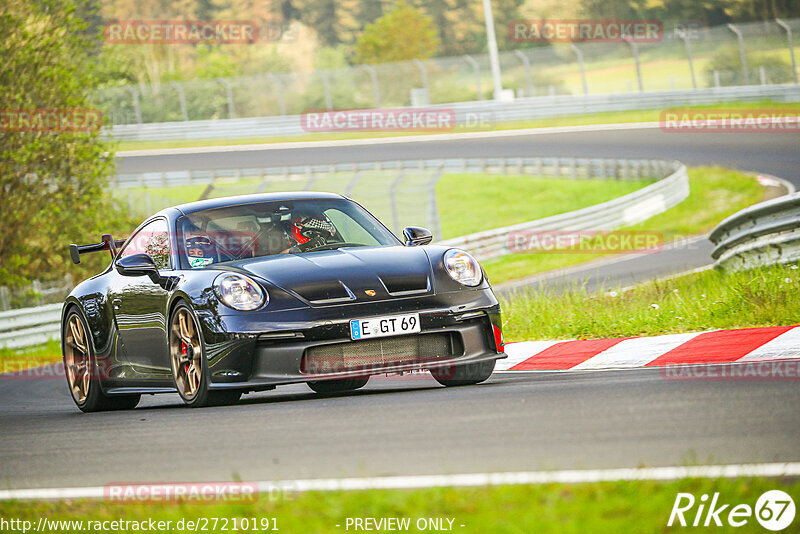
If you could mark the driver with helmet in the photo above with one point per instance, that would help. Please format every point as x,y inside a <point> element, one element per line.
<point>309,231</point>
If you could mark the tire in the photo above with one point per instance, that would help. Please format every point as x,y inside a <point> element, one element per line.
<point>189,364</point>
<point>82,371</point>
<point>464,375</point>
<point>339,385</point>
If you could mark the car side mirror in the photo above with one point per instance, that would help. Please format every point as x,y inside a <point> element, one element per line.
<point>416,236</point>
<point>138,265</point>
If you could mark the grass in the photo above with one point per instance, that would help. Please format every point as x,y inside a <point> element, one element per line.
<point>713,299</point>
<point>13,360</point>
<point>715,193</point>
<point>461,197</point>
<point>641,506</point>
<point>464,199</point>
<point>652,115</point>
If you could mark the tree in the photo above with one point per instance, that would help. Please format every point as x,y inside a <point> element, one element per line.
<point>52,180</point>
<point>403,33</point>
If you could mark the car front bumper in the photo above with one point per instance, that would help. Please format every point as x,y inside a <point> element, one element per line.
<point>258,351</point>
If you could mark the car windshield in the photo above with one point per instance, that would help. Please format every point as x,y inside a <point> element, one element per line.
<point>277,227</point>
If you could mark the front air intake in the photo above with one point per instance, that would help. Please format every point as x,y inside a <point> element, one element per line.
<point>377,354</point>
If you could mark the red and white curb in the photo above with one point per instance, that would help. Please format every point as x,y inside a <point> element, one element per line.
<point>719,346</point>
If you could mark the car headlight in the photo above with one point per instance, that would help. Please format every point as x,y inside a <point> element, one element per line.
<point>462,267</point>
<point>240,292</point>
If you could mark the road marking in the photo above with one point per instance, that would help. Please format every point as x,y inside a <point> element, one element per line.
<point>787,469</point>
<point>387,140</point>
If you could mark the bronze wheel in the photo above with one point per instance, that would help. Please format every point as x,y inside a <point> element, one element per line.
<point>77,359</point>
<point>82,370</point>
<point>189,368</point>
<point>186,354</point>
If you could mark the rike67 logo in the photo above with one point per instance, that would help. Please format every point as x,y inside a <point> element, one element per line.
<point>774,510</point>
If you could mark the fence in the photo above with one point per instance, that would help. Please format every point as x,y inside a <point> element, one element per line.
<point>35,294</point>
<point>765,234</point>
<point>400,193</point>
<point>686,58</point>
<point>484,113</point>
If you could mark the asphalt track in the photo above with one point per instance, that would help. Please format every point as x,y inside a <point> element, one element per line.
<point>513,422</point>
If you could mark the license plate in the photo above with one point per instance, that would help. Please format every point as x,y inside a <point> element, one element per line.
<point>393,325</point>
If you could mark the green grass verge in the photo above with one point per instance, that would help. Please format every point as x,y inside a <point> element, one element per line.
<point>576,120</point>
<point>713,299</point>
<point>715,194</point>
<point>471,203</point>
<point>641,506</point>
<point>13,360</point>
<point>462,198</point>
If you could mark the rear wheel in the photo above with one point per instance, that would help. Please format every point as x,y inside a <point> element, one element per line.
<point>339,385</point>
<point>189,364</point>
<point>463,375</point>
<point>82,371</point>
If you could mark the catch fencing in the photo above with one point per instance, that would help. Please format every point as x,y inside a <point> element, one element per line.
<point>688,57</point>
<point>484,114</point>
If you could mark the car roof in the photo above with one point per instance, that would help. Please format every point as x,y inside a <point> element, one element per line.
<point>192,207</point>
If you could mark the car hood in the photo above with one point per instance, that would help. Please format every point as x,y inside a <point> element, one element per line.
<point>348,274</point>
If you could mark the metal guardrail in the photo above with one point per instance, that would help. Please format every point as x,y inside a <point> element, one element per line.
<point>628,209</point>
<point>767,233</point>
<point>30,326</point>
<point>468,113</point>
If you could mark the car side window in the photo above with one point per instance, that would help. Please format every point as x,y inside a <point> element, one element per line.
<point>153,240</point>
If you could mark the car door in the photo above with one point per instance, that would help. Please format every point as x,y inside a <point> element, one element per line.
<point>140,305</point>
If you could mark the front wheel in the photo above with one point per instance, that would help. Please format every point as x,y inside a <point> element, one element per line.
<point>189,364</point>
<point>339,385</point>
<point>463,375</point>
<point>83,372</point>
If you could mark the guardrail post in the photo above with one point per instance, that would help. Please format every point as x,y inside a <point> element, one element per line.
<point>278,93</point>
<point>181,99</point>
<point>573,169</point>
<point>424,71</point>
<point>716,79</point>
<point>476,69</point>
<point>137,108</point>
<point>326,86</point>
<point>635,49</point>
<point>376,90</point>
<point>788,29</point>
<point>762,74</point>
<point>393,200</point>
<point>684,35</point>
<point>229,96</point>
<point>579,55</point>
<point>433,214</point>
<point>5,299</point>
<point>742,54</point>
<point>526,63</point>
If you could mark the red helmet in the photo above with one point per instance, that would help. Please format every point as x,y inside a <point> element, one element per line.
<point>306,228</point>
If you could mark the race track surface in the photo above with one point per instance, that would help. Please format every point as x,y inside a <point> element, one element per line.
<point>771,153</point>
<point>513,422</point>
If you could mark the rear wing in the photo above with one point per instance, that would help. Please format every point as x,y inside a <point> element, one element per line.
<point>108,243</point>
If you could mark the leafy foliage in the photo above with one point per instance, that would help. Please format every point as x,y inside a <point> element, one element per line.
<point>52,182</point>
<point>403,33</point>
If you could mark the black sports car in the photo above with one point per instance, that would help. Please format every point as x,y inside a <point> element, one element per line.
<point>222,297</point>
